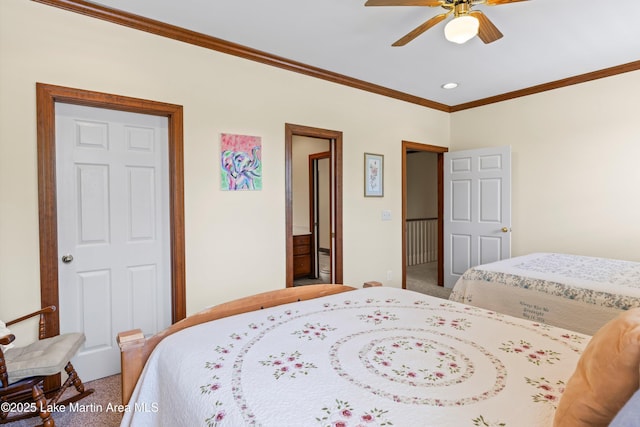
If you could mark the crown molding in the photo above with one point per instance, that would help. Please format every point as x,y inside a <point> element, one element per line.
<point>582,78</point>
<point>195,38</point>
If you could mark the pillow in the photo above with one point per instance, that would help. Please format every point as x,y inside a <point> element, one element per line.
<point>629,415</point>
<point>607,375</point>
<point>4,331</point>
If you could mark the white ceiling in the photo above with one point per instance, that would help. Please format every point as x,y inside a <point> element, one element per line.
<point>544,40</point>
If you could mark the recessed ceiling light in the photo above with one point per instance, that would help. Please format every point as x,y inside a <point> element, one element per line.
<point>451,85</point>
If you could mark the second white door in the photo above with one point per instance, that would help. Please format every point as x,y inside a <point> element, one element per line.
<point>477,209</point>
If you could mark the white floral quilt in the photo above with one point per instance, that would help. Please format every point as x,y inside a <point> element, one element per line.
<point>574,292</point>
<point>370,357</point>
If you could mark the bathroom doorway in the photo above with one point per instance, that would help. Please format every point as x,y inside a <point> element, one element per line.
<point>313,164</point>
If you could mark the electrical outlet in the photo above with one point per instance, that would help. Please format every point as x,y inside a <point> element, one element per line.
<point>389,274</point>
<point>386,215</point>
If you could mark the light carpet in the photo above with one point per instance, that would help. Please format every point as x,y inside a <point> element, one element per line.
<point>101,408</point>
<point>424,278</point>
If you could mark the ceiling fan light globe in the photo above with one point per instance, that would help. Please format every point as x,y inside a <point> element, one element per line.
<point>461,29</point>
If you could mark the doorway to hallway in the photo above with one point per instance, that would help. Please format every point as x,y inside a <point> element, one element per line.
<point>422,213</point>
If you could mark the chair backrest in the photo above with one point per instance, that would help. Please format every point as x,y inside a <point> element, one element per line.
<point>42,333</point>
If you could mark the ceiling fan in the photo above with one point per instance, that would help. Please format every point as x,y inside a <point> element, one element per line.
<point>465,25</point>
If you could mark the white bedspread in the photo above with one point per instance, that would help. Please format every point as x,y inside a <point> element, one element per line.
<point>370,357</point>
<point>574,292</point>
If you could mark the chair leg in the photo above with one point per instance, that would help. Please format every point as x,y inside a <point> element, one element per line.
<point>3,414</point>
<point>73,376</point>
<point>41,402</point>
<point>74,379</point>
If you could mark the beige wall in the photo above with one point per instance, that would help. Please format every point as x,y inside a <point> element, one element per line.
<point>302,147</point>
<point>576,173</point>
<point>220,93</point>
<point>422,185</point>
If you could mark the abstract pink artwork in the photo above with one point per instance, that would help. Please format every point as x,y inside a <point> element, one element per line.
<point>240,157</point>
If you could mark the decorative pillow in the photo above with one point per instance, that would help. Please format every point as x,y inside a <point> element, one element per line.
<point>3,332</point>
<point>629,415</point>
<point>607,375</point>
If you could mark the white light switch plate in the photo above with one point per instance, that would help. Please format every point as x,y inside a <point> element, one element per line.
<point>386,215</point>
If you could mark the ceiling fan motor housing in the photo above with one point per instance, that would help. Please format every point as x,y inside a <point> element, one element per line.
<point>461,8</point>
<point>467,23</point>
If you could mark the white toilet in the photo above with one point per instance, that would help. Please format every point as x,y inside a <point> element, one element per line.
<point>325,268</point>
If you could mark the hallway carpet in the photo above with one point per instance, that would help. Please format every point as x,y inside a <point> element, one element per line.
<point>424,278</point>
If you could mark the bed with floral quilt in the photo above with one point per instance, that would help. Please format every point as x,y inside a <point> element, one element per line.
<point>369,357</point>
<point>579,293</point>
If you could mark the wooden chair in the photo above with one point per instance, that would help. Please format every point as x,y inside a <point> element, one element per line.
<point>23,370</point>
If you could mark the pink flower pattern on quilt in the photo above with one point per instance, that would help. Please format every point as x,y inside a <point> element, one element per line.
<point>342,414</point>
<point>533,355</point>
<point>377,317</point>
<point>418,358</point>
<point>313,331</point>
<point>288,365</point>
<point>548,391</point>
<point>458,323</point>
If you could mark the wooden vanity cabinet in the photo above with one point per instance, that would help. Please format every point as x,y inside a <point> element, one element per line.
<point>301,256</point>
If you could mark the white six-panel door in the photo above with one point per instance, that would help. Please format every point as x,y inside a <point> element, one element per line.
<point>477,209</point>
<point>113,229</point>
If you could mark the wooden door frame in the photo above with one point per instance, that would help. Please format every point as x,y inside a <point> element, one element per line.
<point>46,97</point>
<point>312,204</point>
<point>292,130</point>
<point>416,146</point>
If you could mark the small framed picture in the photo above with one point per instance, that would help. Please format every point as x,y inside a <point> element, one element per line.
<point>373,175</point>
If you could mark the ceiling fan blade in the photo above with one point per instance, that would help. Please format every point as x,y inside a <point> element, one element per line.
<point>499,2</point>
<point>487,32</point>
<point>430,3</point>
<point>421,29</point>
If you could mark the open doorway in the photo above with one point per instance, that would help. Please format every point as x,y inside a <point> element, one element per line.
<point>311,201</point>
<point>313,186</point>
<point>319,215</point>
<point>422,215</point>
